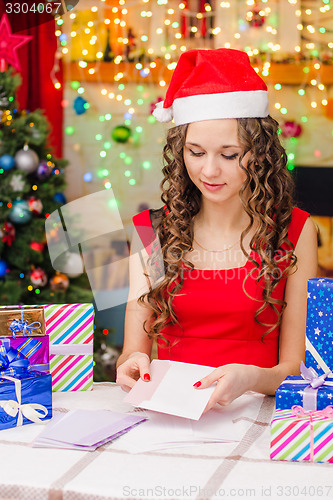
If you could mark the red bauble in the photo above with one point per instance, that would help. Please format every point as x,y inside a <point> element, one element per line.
<point>36,245</point>
<point>291,129</point>
<point>38,277</point>
<point>7,233</point>
<point>35,205</point>
<point>254,18</point>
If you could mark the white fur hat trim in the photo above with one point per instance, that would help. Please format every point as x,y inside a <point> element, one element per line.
<point>161,114</point>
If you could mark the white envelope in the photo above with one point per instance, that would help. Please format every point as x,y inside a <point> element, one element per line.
<point>171,390</point>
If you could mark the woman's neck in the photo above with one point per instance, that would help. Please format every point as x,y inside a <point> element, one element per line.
<point>224,219</point>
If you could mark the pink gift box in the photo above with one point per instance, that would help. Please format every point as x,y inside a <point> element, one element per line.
<point>34,327</point>
<point>67,344</point>
<point>70,328</point>
<point>299,435</point>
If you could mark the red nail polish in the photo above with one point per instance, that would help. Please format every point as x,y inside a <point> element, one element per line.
<point>197,384</point>
<point>146,376</point>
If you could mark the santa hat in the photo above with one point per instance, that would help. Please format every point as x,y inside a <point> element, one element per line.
<point>212,84</point>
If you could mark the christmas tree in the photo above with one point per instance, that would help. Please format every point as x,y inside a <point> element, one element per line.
<point>31,188</point>
<point>32,183</point>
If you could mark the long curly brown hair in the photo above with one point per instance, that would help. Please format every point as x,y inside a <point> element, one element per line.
<point>269,207</point>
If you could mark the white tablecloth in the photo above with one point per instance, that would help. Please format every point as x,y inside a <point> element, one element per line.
<point>203,471</point>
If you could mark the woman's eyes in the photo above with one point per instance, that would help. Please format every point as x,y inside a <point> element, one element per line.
<point>227,157</point>
<point>231,157</point>
<point>195,154</point>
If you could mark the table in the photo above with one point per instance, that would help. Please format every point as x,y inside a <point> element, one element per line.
<point>204,471</point>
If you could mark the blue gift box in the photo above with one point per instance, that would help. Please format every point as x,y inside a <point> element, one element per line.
<point>319,325</point>
<point>25,398</point>
<point>294,390</point>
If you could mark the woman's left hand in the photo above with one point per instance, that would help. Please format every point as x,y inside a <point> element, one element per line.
<point>232,381</point>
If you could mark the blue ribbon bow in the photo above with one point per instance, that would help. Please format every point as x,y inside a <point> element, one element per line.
<point>12,362</point>
<point>15,362</point>
<point>21,324</point>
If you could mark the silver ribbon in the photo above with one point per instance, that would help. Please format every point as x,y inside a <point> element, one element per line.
<point>71,348</point>
<point>314,381</point>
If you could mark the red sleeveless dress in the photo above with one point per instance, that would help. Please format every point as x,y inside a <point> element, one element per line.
<point>217,319</point>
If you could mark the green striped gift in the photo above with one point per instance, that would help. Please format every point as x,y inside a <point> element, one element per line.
<point>71,329</point>
<point>299,435</point>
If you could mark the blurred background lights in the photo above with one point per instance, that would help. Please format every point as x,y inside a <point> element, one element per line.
<point>144,53</point>
<point>113,204</point>
<point>88,176</point>
<point>144,72</point>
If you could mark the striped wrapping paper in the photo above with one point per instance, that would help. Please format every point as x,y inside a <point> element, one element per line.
<point>291,437</point>
<point>70,328</point>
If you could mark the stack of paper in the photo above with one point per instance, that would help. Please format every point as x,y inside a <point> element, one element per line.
<point>85,429</point>
<point>167,431</point>
<point>176,410</point>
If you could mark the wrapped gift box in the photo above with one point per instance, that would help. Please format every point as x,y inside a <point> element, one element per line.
<point>294,390</point>
<point>39,359</point>
<point>17,323</point>
<point>22,321</point>
<point>319,325</point>
<point>70,328</point>
<point>297,435</point>
<point>25,399</point>
<point>67,344</point>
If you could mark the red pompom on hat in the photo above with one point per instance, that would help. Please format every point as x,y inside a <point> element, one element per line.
<point>213,84</point>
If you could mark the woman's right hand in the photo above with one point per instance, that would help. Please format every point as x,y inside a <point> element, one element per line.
<point>136,365</point>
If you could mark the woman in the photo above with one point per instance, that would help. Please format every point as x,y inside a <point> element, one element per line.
<point>236,254</point>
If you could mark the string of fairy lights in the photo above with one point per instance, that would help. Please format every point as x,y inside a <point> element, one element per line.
<point>163,29</point>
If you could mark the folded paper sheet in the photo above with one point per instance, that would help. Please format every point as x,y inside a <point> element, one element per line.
<point>171,390</point>
<point>219,425</point>
<point>86,429</point>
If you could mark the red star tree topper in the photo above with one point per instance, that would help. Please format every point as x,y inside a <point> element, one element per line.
<point>9,44</point>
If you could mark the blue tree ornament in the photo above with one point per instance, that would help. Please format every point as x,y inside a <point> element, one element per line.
<point>20,212</point>
<point>3,268</point>
<point>7,162</point>
<point>80,105</point>
<point>60,198</point>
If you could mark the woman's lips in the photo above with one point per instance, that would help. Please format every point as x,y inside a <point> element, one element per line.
<point>213,187</point>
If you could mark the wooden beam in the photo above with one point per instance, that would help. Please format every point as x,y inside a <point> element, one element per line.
<point>105,72</point>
